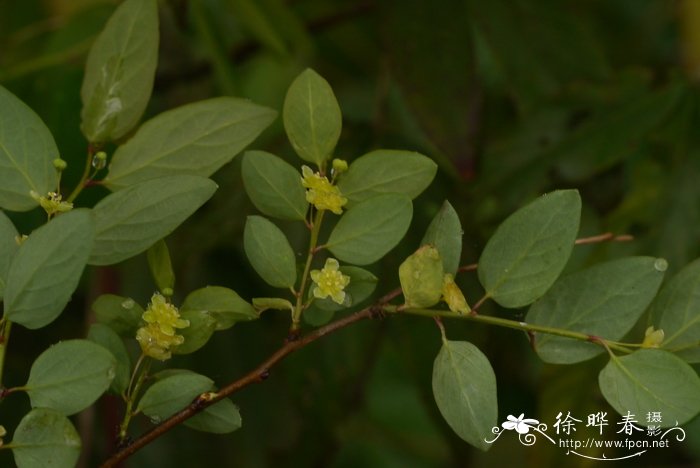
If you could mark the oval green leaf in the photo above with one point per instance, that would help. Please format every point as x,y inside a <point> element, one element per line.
<point>604,300</point>
<point>8,248</point>
<point>195,139</point>
<point>269,252</point>
<point>652,380</point>
<point>161,267</point>
<point>220,418</point>
<point>445,233</point>
<point>464,387</point>
<point>172,393</point>
<point>312,117</point>
<point>372,228</point>
<point>530,248</point>
<point>45,437</point>
<point>224,305</point>
<point>387,171</point>
<point>119,72</point>
<point>129,221</point>
<point>27,150</point>
<point>201,328</point>
<point>46,269</point>
<point>121,314</point>
<point>274,186</point>
<point>675,311</point>
<point>70,376</point>
<point>109,340</point>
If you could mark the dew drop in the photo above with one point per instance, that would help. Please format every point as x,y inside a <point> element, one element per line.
<point>660,264</point>
<point>155,420</point>
<point>111,373</point>
<point>128,304</point>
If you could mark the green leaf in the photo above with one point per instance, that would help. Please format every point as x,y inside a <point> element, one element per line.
<point>421,277</point>
<point>362,285</point>
<point>274,186</point>
<point>386,171</point>
<point>46,269</point>
<point>45,437</point>
<point>121,314</point>
<point>108,339</point>
<point>27,150</point>
<point>445,233</point>
<point>8,248</point>
<point>224,305</point>
<point>652,380</point>
<point>220,418</point>
<point>372,228</point>
<point>530,248</point>
<point>161,267</point>
<point>316,316</point>
<point>195,139</point>
<point>464,387</point>
<point>70,376</point>
<point>269,252</point>
<point>171,394</point>
<point>312,117</point>
<point>131,220</point>
<point>675,311</point>
<point>119,71</point>
<point>261,304</point>
<point>604,300</point>
<point>201,328</point>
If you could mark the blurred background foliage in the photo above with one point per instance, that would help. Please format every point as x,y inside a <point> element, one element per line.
<point>512,98</point>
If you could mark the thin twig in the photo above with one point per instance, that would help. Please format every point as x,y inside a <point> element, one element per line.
<point>608,236</point>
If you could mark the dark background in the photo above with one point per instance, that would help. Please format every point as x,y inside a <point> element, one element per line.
<point>512,98</point>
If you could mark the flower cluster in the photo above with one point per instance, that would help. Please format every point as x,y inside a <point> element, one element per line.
<point>321,193</point>
<point>157,337</point>
<point>52,203</point>
<point>330,282</point>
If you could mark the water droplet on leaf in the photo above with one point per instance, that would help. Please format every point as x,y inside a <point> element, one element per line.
<point>660,264</point>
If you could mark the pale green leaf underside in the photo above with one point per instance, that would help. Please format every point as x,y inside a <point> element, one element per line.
<point>675,311</point>
<point>224,305</point>
<point>652,380</point>
<point>312,117</point>
<point>104,336</point>
<point>46,269</point>
<point>530,248</point>
<point>387,171</point>
<point>8,248</point>
<point>171,394</point>
<point>445,233</point>
<point>194,139</point>
<point>274,186</point>
<point>119,71</point>
<point>269,252</point>
<point>464,387</point>
<point>220,418</point>
<point>45,437</point>
<point>129,221</point>
<point>371,229</point>
<point>27,150</point>
<point>604,300</point>
<point>70,376</point>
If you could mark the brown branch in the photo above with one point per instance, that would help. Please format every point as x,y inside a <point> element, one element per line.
<point>608,236</point>
<point>259,374</point>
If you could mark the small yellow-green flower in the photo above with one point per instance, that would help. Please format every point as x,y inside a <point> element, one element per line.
<point>453,296</point>
<point>321,193</point>
<point>653,338</point>
<point>330,282</point>
<point>157,337</point>
<point>52,203</point>
<point>340,166</point>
